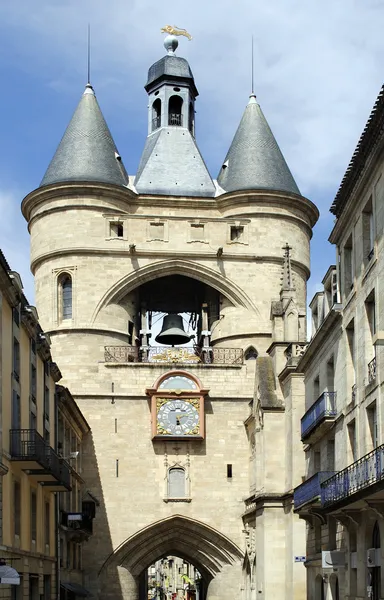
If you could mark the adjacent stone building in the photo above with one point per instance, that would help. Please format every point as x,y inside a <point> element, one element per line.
<point>342,498</point>
<point>195,450</point>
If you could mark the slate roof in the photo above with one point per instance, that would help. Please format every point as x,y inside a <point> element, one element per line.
<point>171,164</point>
<point>87,151</point>
<point>369,139</point>
<point>254,159</point>
<point>170,66</point>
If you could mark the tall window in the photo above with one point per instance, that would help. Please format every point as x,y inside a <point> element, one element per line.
<point>351,427</point>
<point>348,266</point>
<point>156,114</point>
<point>176,483</point>
<point>17,507</point>
<point>65,296</point>
<point>372,424</point>
<point>191,118</point>
<point>47,523</point>
<point>174,111</point>
<point>375,572</point>
<point>16,359</point>
<point>33,516</point>
<point>368,232</point>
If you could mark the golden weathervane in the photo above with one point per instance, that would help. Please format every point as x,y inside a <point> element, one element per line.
<point>173,30</point>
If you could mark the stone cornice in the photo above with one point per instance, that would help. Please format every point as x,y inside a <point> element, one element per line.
<point>262,197</point>
<point>166,254</point>
<point>334,315</point>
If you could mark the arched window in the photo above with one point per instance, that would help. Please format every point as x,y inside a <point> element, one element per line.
<point>250,353</point>
<point>174,111</point>
<point>191,118</point>
<point>176,482</point>
<point>156,114</point>
<point>65,297</point>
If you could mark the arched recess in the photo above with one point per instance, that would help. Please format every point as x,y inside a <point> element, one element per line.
<point>205,547</point>
<point>164,268</point>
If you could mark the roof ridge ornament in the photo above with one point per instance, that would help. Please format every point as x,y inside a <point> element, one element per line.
<point>170,41</point>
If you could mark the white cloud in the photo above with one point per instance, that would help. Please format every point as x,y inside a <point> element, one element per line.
<point>318,68</point>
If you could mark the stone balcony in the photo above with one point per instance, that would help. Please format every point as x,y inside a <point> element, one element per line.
<point>319,418</point>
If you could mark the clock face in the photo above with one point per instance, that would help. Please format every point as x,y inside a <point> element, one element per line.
<point>178,417</point>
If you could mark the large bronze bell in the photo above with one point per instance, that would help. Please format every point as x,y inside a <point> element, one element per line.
<point>172,332</point>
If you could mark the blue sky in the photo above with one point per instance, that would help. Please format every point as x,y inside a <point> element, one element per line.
<point>318,70</point>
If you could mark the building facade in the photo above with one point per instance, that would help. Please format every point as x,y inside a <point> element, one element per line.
<point>342,429</point>
<point>195,449</point>
<point>77,509</point>
<point>31,468</point>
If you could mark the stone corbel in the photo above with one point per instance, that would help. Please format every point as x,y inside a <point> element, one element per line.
<point>320,516</point>
<point>377,507</point>
<point>342,518</point>
<point>355,516</point>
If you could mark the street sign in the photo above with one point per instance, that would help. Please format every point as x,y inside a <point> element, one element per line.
<point>299,558</point>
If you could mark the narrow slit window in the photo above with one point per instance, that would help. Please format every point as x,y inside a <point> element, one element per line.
<point>229,471</point>
<point>65,297</point>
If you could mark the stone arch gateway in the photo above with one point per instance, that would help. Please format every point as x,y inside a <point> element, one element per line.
<point>213,554</point>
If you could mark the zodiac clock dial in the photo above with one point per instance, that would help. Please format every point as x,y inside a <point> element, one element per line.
<point>178,418</point>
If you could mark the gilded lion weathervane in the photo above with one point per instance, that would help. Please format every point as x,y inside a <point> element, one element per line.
<point>173,30</point>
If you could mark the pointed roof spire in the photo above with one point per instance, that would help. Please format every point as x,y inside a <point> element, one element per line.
<point>254,159</point>
<point>87,151</point>
<point>287,284</point>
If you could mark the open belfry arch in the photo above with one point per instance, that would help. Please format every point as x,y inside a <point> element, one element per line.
<point>176,306</point>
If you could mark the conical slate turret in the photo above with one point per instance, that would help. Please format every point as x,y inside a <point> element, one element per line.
<point>87,151</point>
<point>254,160</point>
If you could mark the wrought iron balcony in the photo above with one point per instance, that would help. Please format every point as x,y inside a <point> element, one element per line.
<point>372,370</point>
<point>29,448</point>
<point>170,355</point>
<point>175,119</point>
<point>357,477</point>
<point>322,411</point>
<point>310,490</point>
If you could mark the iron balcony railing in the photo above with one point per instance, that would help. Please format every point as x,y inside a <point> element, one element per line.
<point>310,490</point>
<point>361,474</point>
<point>372,370</point>
<point>166,355</point>
<point>324,407</point>
<point>29,445</point>
<point>175,119</point>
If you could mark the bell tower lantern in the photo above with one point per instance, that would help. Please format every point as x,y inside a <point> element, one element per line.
<point>171,91</point>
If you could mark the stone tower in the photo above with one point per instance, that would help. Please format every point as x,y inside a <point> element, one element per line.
<point>195,450</point>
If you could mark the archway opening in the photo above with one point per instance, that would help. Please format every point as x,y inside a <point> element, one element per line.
<point>208,552</point>
<point>172,578</point>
